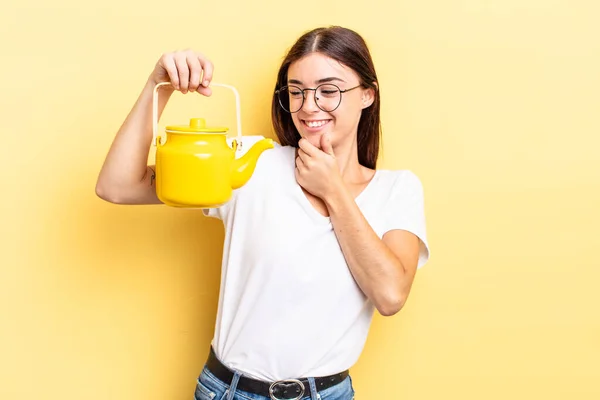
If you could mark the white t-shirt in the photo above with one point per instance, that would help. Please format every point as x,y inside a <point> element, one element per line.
<point>289,306</point>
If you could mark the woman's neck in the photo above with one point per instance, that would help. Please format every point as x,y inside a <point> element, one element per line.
<point>346,155</point>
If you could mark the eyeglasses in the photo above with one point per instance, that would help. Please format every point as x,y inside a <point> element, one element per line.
<point>328,97</point>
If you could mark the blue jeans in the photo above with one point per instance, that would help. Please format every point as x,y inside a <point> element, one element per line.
<point>210,387</point>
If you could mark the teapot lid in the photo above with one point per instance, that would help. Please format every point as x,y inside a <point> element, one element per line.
<point>197,125</point>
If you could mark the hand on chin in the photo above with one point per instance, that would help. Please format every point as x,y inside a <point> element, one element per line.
<point>314,139</point>
<point>316,169</point>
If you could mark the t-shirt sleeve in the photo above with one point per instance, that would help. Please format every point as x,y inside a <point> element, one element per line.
<point>221,211</point>
<point>406,211</point>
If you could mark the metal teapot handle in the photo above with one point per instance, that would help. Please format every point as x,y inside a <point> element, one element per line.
<point>237,109</point>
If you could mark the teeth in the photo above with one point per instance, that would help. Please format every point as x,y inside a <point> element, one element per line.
<point>315,124</point>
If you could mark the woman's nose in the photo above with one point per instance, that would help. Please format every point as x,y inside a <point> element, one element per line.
<point>310,104</point>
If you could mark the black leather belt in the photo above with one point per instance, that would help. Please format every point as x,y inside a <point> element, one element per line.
<point>285,389</point>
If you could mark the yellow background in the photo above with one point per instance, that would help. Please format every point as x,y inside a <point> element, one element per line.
<point>494,104</point>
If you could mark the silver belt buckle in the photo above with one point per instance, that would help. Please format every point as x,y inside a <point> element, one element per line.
<point>296,381</point>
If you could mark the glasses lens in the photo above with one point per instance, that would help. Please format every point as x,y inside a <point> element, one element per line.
<point>291,98</point>
<point>328,97</point>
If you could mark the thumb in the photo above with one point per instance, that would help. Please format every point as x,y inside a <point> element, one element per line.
<point>326,144</point>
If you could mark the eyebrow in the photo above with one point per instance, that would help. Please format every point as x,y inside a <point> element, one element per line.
<point>324,80</point>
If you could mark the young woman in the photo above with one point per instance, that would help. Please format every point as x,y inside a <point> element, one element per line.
<point>314,242</point>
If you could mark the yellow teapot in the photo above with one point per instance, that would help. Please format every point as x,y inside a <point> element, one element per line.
<point>195,166</point>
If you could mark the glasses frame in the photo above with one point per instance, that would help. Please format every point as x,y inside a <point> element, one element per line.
<point>314,96</point>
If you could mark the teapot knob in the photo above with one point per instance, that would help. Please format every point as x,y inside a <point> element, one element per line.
<point>198,123</point>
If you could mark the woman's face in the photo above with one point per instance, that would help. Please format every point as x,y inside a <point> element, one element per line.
<point>311,121</point>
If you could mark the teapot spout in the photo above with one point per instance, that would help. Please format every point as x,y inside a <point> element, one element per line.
<point>243,167</point>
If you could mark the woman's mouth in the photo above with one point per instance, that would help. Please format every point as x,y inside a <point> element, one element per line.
<point>315,125</point>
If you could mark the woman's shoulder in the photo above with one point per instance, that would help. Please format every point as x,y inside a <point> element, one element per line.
<point>277,156</point>
<point>399,180</point>
<point>273,164</point>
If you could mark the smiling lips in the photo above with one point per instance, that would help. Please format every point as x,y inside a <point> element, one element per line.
<point>315,124</point>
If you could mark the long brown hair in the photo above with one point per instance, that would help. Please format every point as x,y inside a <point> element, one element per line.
<point>350,49</point>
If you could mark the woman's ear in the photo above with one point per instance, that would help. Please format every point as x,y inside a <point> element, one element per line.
<point>368,96</point>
